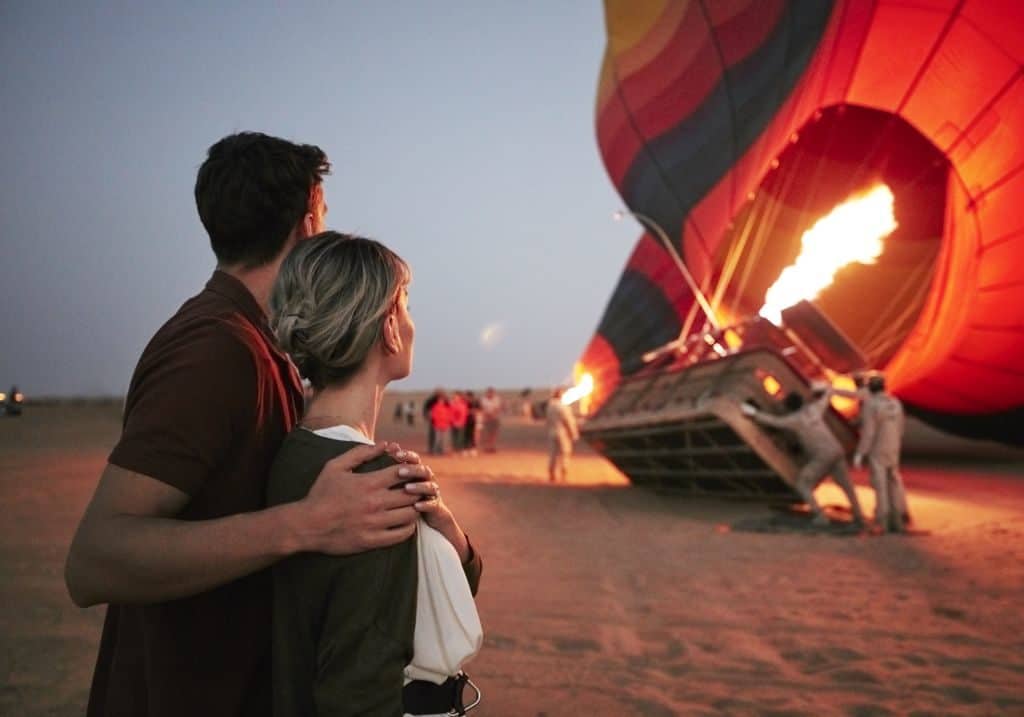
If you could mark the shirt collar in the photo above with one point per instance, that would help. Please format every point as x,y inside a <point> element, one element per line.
<point>235,291</point>
<point>343,432</point>
<point>227,286</point>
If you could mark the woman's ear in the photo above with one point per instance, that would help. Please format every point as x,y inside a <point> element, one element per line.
<point>392,339</point>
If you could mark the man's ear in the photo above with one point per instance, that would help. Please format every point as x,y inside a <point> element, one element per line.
<point>316,196</point>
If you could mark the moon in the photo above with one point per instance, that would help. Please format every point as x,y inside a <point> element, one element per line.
<point>492,334</point>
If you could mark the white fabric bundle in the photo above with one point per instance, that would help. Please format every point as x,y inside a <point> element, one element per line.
<point>448,631</point>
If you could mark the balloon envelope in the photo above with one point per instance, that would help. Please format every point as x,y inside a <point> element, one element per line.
<point>731,126</point>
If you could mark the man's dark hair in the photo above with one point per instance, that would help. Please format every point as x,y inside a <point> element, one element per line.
<point>876,384</point>
<point>793,401</point>
<point>252,190</point>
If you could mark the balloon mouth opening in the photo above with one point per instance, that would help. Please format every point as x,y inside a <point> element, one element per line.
<point>843,152</point>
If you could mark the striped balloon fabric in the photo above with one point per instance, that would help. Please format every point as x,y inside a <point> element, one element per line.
<point>729,127</point>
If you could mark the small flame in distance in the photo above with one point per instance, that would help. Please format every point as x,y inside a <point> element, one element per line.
<point>581,389</point>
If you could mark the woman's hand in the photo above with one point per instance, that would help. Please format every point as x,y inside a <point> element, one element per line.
<point>438,516</point>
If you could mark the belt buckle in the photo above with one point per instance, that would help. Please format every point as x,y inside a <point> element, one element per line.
<point>462,679</point>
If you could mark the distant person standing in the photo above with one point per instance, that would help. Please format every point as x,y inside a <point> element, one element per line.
<point>525,405</point>
<point>428,405</point>
<point>823,454</point>
<point>441,420</point>
<point>459,410</point>
<point>410,412</point>
<point>882,425</point>
<point>472,429</point>
<point>491,407</point>
<point>562,433</point>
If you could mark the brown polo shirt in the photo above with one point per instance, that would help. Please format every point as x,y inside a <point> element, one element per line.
<point>209,404</point>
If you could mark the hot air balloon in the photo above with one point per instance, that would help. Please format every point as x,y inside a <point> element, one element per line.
<point>730,127</point>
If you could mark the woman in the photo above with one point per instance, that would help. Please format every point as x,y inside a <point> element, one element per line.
<point>441,422</point>
<point>344,627</point>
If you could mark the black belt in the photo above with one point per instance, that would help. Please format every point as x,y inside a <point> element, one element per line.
<point>421,697</point>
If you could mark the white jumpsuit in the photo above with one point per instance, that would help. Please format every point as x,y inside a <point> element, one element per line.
<point>823,452</point>
<point>562,433</point>
<point>880,439</point>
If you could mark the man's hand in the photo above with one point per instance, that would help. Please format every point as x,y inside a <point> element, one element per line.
<point>399,454</point>
<point>347,512</point>
<point>120,554</point>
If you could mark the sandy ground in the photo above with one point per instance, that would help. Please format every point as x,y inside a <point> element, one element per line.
<point>603,599</point>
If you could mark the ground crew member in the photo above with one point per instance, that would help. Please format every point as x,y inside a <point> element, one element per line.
<point>822,450</point>
<point>562,433</point>
<point>881,435</point>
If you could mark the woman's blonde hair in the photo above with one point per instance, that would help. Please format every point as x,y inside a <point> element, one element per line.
<point>330,301</point>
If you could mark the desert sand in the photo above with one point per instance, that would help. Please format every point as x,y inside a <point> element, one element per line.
<point>599,598</point>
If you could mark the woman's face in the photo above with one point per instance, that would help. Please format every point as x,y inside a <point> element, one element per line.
<point>402,360</point>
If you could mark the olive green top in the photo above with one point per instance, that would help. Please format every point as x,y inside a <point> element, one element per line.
<point>343,625</point>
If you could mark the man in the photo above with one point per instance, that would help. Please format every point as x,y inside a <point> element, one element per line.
<point>822,451</point>
<point>882,424</point>
<point>562,433</point>
<point>176,538</point>
<point>491,407</point>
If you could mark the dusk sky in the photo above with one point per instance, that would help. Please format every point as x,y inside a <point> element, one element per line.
<point>461,133</point>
